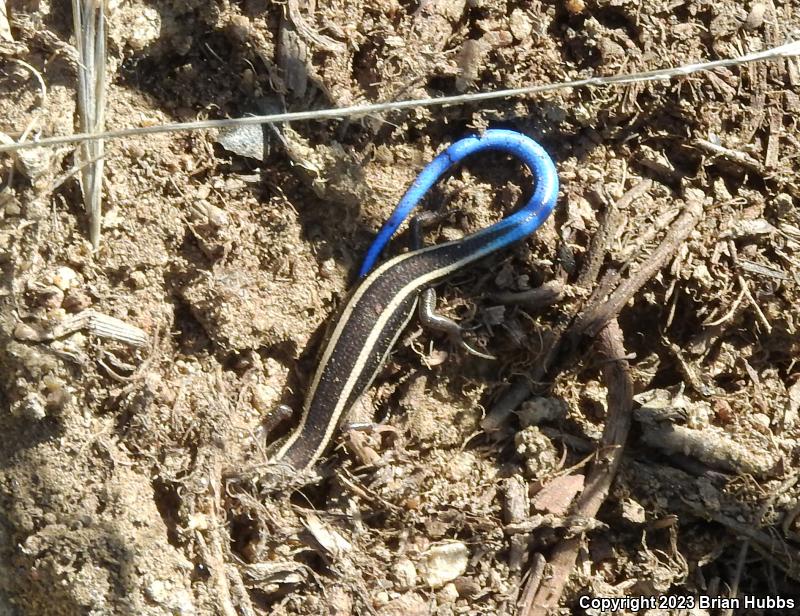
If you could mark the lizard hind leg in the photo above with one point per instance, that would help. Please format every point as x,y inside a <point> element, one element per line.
<point>427,299</point>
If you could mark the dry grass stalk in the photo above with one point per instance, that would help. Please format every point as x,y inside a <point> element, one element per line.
<point>90,36</point>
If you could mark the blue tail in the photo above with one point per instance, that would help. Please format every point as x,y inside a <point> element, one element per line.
<point>525,221</point>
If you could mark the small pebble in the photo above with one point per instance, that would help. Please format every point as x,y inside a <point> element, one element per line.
<point>247,141</point>
<point>145,29</point>
<point>12,207</point>
<point>538,451</point>
<point>405,573</point>
<point>138,279</point>
<point>520,25</point>
<point>381,598</point>
<point>327,269</point>
<point>157,591</point>
<point>35,163</point>
<point>136,151</point>
<point>575,7</point>
<point>443,563</point>
<point>64,277</point>
<point>31,407</point>
<point>467,587</point>
<point>25,332</point>
<point>755,18</point>
<point>448,594</point>
<point>633,511</point>
<point>761,421</point>
<point>264,398</point>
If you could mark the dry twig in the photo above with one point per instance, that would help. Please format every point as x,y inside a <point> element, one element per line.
<point>617,376</point>
<point>597,250</point>
<point>591,321</point>
<point>545,295</point>
<point>737,575</point>
<point>598,310</point>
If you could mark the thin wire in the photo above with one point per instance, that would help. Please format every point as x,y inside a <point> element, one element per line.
<point>788,50</point>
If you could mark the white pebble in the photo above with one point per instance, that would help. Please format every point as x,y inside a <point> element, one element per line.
<point>406,574</point>
<point>64,277</point>
<point>443,563</point>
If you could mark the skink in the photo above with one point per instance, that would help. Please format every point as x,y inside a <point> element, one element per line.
<point>384,300</point>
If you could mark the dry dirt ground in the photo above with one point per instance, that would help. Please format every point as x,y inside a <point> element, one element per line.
<point>662,351</point>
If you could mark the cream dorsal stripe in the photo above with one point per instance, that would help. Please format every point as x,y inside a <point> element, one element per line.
<point>383,302</point>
